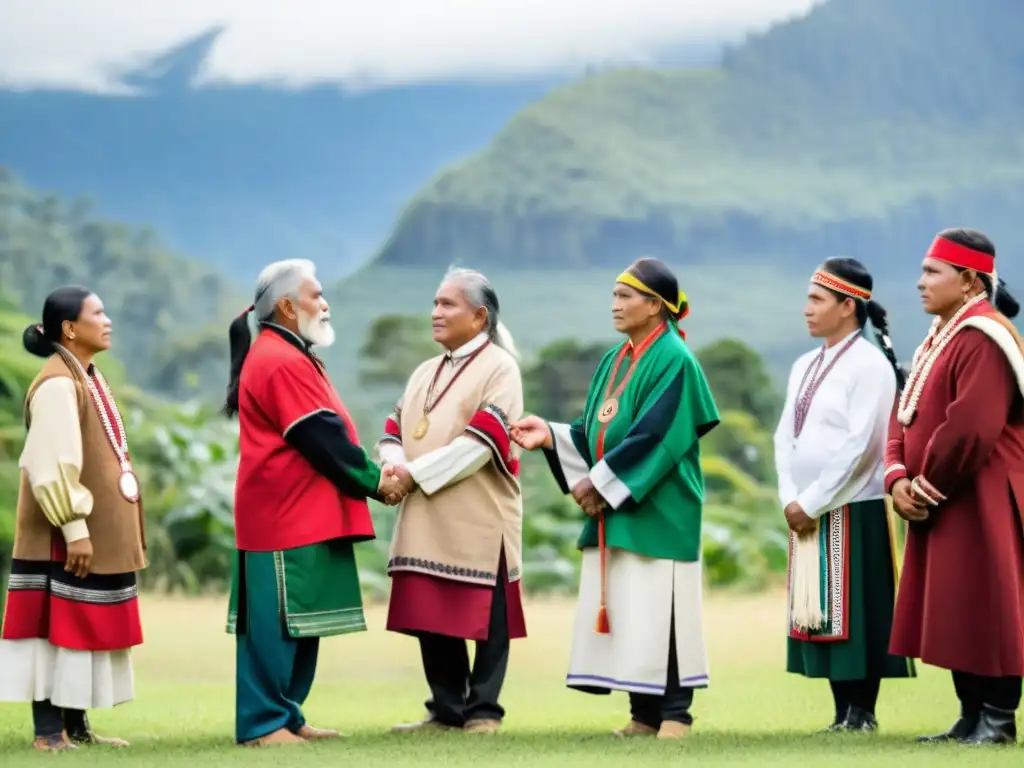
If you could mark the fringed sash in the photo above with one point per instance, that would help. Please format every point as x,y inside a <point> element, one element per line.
<point>818,579</point>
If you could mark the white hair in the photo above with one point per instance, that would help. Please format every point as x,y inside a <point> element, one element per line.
<point>480,293</point>
<point>282,279</point>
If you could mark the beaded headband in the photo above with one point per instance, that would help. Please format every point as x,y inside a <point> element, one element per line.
<point>830,281</point>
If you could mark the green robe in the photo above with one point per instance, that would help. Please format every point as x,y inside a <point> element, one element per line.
<point>646,460</point>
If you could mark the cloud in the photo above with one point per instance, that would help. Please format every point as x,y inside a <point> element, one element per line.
<point>90,44</point>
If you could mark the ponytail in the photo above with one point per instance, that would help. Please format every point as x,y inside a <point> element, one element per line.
<point>240,339</point>
<point>1002,299</point>
<point>879,320</point>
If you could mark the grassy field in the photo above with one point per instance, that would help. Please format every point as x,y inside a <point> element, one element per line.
<point>754,713</point>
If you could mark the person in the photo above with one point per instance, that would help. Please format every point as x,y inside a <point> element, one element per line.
<point>829,459</point>
<point>72,615</point>
<point>954,464</point>
<point>455,560</point>
<point>300,505</point>
<point>632,463</point>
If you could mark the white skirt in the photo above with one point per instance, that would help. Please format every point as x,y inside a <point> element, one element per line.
<point>642,593</point>
<point>35,670</point>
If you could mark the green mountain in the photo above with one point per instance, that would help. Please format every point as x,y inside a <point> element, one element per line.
<point>861,128</point>
<point>170,313</point>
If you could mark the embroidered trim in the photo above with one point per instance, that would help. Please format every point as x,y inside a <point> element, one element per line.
<point>434,567</point>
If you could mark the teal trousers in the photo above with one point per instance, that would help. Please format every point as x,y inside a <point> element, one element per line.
<point>274,671</point>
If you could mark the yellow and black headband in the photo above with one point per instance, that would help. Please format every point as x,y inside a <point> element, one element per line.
<point>653,278</point>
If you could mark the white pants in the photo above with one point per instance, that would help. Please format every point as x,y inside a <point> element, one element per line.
<point>642,595</point>
<point>35,670</point>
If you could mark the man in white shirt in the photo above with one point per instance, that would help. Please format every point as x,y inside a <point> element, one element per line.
<point>456,552</point>
<point>829,456</point>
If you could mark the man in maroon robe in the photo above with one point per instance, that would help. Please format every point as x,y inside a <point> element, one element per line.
<point>955,469</point>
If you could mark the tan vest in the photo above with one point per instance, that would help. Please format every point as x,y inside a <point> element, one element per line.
<point>116,526</point>
<point>458,532</point>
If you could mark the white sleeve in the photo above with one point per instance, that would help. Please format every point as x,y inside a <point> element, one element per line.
<point>52,458</point>
<point>449,464</point>
<point>784,443</point>
<point>870,403</point>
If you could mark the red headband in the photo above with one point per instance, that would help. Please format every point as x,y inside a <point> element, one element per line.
<point>961,256</point>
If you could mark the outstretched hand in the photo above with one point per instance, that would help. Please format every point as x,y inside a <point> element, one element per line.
<point>395,484</point>
<point>530,433</point>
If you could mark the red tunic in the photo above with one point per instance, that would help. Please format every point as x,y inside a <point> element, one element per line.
<point>960,604</point>
<point>281,501</point>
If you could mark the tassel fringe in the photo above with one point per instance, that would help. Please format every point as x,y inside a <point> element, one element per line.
<point>805,592</point>
<point>602,626</point>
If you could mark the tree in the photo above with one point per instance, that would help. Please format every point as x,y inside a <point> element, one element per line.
<point>740,380</point>
<point>393,347</point>
<point>556,384</point>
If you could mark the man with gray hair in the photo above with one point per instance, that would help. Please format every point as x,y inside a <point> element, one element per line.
<point>300,504</point>
<point>456,553</point>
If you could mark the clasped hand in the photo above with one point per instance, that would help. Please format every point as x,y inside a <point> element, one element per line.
<point>912,503</point>
<point>395,484</point>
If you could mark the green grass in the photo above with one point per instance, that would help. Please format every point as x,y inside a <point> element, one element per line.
<point>754,713</point>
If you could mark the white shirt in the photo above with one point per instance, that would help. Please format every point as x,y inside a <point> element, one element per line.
<point>839,456</point>
<point>451,463</point>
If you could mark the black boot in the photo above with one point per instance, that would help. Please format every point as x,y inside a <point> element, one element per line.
<point>961,729</point>
<point>995,726</point>
<point>839,723</point>
<point>858,719</point>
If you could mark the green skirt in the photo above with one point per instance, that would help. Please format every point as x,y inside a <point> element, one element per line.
<point>316,588</point>
<point>859,578</point>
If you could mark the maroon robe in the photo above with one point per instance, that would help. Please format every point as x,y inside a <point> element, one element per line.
<point>960,604</point>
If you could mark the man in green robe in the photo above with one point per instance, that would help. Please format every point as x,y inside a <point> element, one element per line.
<point>632,463</point>
<point>300,504</point>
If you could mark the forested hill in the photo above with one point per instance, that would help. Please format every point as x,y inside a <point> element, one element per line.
<point>860,129</point>
<point>171,313</point>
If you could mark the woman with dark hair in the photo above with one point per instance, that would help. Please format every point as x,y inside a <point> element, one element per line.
<point>829,456</point>
<point>72,612</point>
<point>955,469</point>
<point>632,463</point>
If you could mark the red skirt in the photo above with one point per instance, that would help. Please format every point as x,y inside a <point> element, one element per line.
<point>97,613</point>
<point>430,604</point>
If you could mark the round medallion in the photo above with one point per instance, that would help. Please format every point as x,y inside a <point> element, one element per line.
<point>128,485</point>
<point>609,408</point>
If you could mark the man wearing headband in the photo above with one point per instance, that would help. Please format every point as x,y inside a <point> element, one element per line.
<point>955,469</point>
<point>632,463</point>
<point>456,553</point>
<point>300,504</point>
<point>829,455</point>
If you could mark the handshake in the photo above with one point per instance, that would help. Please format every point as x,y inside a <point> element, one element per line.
<point>395,484</point>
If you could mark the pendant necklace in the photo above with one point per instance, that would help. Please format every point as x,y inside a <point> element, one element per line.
<point>128,481</point>
<point>803,401</point>
<point>610,406</point>
<point>423,425</point>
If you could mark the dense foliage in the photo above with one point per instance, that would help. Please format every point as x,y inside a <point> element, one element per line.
<point>162,303</point>
<point>841,131</point>
<point>186,455</point>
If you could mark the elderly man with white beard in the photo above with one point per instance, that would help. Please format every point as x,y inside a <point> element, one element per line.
<point>300,504</point>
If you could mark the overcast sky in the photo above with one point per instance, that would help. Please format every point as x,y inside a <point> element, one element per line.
<point>85,43</point>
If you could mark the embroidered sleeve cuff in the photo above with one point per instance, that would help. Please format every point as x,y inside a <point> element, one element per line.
<point>75,531</point>
<point>893,473</point>
<point>566,463</point>
<point>392,430</point>
<point>612,490</point>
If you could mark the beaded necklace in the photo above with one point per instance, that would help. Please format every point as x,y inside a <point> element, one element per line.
<point>926,357</point>
<point>803,401</point>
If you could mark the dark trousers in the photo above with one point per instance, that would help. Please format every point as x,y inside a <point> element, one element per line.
<point>50,720</point>
<point>458,693</point>
<point>674,705</point>
<point>862,694</point>
<point>998,692</point>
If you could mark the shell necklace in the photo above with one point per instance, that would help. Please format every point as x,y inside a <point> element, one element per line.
<point>925,359</point>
